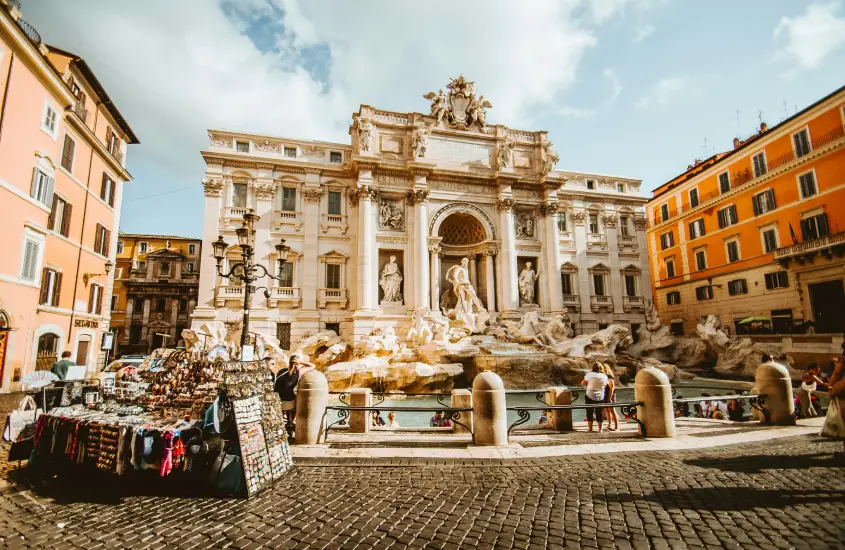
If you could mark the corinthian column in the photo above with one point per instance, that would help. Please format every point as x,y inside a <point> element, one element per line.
<point>507,258</point>
<point>263,191</point>
<point>210,231</point>
<point>419,198</point>
<point>552,248</point>
<point>491,280</point>
<point>435,277</point>
<point>367,257</point>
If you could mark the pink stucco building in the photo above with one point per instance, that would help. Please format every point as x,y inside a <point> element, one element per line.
<point>62,170</point>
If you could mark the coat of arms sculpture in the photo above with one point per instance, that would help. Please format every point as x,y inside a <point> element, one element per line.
<point>461,108</point>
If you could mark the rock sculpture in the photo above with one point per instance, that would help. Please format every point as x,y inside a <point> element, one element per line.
<point>391,282</point>
<point>468,307</point>
<point>527,278</point>
<point>711,334</point>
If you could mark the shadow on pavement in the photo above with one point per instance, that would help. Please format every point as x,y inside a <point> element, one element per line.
<point>753,464</point>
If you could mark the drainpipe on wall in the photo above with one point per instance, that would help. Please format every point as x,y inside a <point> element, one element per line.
<point>6,93</point>
<point>82,232</point>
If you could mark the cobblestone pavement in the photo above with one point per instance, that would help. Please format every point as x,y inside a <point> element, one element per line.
<point>778,494</point>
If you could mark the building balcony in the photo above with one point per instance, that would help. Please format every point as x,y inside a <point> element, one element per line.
<point>286,296</point>
<point>630,303</point>
<point>286,217</point>
<point>229,293</point>
<point>598,303</point>
<point>627,239</point>
<point>234,213</point>
<point>331,297</point>
<point>81,111</point>
<point>570,301</point>
<point>826,246</point>
<point>596,241</point>
<point>334,221</point>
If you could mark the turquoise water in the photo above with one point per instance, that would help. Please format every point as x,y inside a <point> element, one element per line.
<point>419,419</point>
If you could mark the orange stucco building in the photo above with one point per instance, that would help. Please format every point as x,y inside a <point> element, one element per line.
<point>62,151</point>
<point>758,230</point>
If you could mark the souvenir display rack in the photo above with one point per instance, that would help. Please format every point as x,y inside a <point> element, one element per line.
<point>145,431</point>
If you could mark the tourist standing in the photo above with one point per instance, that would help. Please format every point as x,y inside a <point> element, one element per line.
<point>595,383</point>
<point>60,368</point>
<point>610,397</point>
<point>286,382</point>
<point>834,423</point>
<point>809,383</point>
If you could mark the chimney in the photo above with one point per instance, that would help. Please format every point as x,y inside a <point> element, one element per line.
<point>763,127</point>
<point>737,143</point>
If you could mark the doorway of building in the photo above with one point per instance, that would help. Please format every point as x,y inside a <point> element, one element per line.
<point>828,302</point>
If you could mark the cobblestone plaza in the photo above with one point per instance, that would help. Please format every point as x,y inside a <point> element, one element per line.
<point>787,493</point>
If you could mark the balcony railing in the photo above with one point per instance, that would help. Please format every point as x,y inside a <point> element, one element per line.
<point>565,235</point>
<point>570,300</point>
<point>627,239</point>
<point>334,220</point>
<point>816,245</point>
<point>30,32</point>
<point>596,237</point>
<point>286,217</point>
<point>284,295</point>
<point>600,302</point>
<point>81,111</point>
<point>229,293</point>
<point>327,296</point>
<point>233,213</point>
<point>633,302</point>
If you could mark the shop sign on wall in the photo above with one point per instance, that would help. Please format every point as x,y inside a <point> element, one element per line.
<point>85,323</point>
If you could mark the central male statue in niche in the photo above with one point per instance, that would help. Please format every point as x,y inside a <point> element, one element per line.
<point>391,282</point>
<point>527,278</point>
<point>468,308</point>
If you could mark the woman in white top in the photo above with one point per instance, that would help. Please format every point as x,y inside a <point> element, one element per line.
<point>595,383</point>
<point>805,393</point>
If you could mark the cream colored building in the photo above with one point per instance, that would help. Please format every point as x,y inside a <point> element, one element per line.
<point>429,190</point>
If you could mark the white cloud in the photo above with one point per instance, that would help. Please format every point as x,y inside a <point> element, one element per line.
<point>603,10</point>
<point>643,32</point>
<point>610,74</point>
<point>812,36</point>
<point>575,112</point>
<point>663,91</point>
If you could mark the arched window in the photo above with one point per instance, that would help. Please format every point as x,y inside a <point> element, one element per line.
<point>48,345</point>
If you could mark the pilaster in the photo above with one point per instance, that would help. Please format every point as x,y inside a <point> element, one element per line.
<point>419,198</point>
<point>507,258</point>
<point>617,285</point>
<point>551,246</point>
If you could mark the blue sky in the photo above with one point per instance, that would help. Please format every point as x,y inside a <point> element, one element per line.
<point>625,87</point>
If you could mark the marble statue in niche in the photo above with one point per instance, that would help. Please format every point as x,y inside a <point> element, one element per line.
<point>391,282</point>
<point>527,278</point>
<point>365,131</point>
<point>550,158</point>
<point>525,226</point>
<point>506,154</point>
<point>468,307</point>
<point>391,215</point>
<point>420,142</point>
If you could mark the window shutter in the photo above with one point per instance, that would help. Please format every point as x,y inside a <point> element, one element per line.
<point>734,217</point>
<point>106,242</point>
<point>805,230</point>
<point>822,225</point>
<point>65,229</point>
<point>755,201</point>
<point>67,152</point>
<point>51,221</point>
<point>111,192</point>
<point>98,235</point>
<point>721,215</point>
<point>99,300</point>
<point>109,139</point>
<point>45,285</point>
<point>103,188</point>
<point>57,289</point>
<point>91,298</point>
<point>771,195</point>
<point>33,187</point>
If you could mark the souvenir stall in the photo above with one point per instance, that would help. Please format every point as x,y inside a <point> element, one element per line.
<point>210,422</point>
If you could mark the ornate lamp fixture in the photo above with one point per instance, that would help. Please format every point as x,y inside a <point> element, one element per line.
<point>88,276</point>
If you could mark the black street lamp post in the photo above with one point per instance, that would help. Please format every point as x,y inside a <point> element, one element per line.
<point>247,271</point>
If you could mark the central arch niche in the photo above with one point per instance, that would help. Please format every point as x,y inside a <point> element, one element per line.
<point>461,229</point>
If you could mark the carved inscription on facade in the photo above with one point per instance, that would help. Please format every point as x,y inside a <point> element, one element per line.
<point>457,151</point>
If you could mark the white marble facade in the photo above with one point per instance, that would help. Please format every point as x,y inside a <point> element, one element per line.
<point>428,190</point>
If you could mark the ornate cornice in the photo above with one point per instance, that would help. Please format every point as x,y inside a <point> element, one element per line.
<point>640,222</point>
<point>312,195</point>
<point>264,190</point>
<point>579,217</point>
<point>610,220</point>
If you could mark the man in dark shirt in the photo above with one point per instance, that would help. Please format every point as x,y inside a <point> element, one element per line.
<point>286,383</point>
<point>60,368</point>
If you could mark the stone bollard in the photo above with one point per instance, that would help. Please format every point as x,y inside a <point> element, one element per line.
<point>462,399</point>
<point>489,413</point>
<point>560,421</point>
<point>312,397</point>
<point>360,421</point>
<point>773,381</point>
<point>652,388</point>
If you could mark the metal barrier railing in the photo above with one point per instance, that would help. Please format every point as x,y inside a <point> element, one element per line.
<point>628,410</point>
<point>681,405</point>
<point>452,414</point>
<point>379,397</point>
